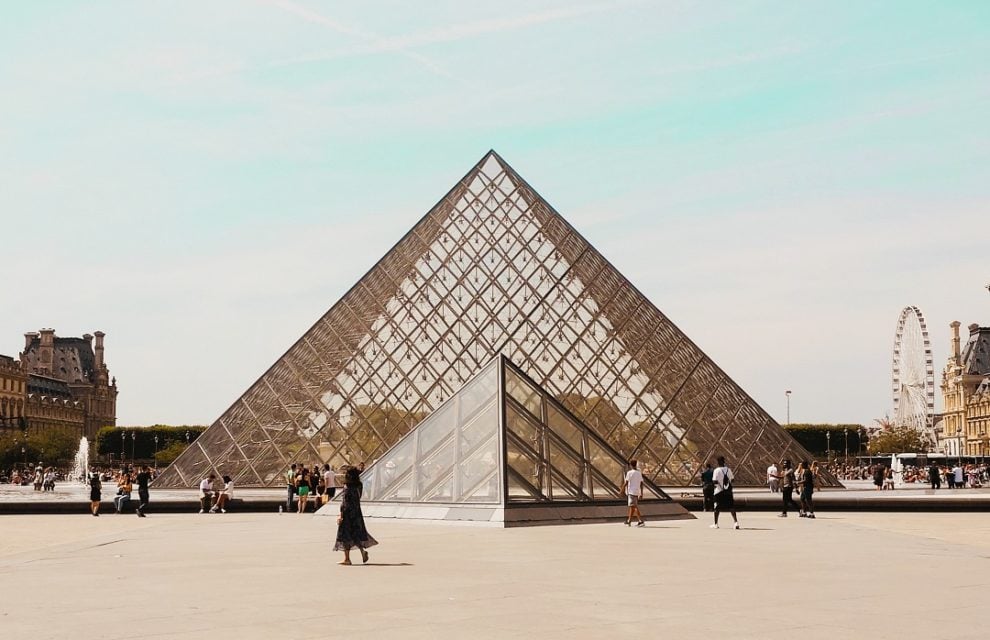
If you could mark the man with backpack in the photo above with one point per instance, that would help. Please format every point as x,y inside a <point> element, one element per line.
<point>723,492</point>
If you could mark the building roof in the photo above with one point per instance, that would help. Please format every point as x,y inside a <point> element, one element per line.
<point>43,385</point>
<point>73,359</point>
<point>976,353</point>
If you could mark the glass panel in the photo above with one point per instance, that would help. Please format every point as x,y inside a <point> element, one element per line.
<point>519,491</point>
<point>400,491</point>
<point>437,427</point>
<point>604,490</point>
<point>571,433</point>
<point>523,428</point>
<point>523,393</point>
<point>393,466</point>
<point>523,463</point>
<point>561,491</point>
<point>484,425</point>
<point>433,468</point>
<point>478,474</point>
<point>565,465</point>
<point>442,491</point>
<point>477,393</point>
<point>607,465</point>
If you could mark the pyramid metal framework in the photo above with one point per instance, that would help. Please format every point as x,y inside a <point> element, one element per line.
<point>492,268</point>
<point>502,450</point>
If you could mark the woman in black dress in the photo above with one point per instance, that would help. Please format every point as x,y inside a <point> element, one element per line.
<point>94,493</point>
<point>350,523</point>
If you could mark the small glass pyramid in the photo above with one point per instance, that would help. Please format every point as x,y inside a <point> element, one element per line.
<point>498,447</point>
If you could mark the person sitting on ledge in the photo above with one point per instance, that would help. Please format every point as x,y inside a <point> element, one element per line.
<point>223,496</point>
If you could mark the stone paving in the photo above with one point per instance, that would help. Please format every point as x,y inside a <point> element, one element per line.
<point>273,576</point>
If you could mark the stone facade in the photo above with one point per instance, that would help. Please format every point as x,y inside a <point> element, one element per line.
<point>59,383</point>
<point>13,391</point>
<point>965,427</point>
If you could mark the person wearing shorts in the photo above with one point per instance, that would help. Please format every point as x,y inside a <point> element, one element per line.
<point>723,492</point>
<point>632,486</point>
<point>302,488</point>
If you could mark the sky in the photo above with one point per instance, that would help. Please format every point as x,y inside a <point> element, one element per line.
<point>202,181</point>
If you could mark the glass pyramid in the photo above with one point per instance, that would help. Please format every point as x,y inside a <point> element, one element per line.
<point>499,446</point>
<point>491,269</point>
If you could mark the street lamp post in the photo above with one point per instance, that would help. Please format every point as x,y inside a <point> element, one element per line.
<point>958,445</point>
<point>845,435</point>
<point>788,394</point>
<point>133,443</point>
<point>156,451</point>
<point>123,454</point>
<point>187,438</point>
<point>23,456</point>
<point>828,446</point>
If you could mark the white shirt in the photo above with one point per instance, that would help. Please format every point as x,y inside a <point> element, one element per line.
<point>330,478</point>
<point>228,489</point>
<point>958,473</point>
<point>634,483</point>
<point>771,473</point>
<point>719,478</point>
<point>205,485</point>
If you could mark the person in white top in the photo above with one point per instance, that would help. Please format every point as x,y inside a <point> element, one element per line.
<point>330,480</point>
<point>723,492</point>
<point>632,486</point>
<point>206,492</point>
<point>772,480</point>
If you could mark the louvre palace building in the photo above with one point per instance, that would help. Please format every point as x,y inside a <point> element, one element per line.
<point>58,383</point>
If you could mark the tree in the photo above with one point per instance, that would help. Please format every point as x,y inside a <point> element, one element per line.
<point>898,440</point>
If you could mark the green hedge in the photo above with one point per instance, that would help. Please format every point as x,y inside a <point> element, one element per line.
<point>142,445</point>
<point>814,438</point>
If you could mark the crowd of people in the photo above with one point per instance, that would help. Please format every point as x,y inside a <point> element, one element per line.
<point>321,483</point>
<point>954,476</point>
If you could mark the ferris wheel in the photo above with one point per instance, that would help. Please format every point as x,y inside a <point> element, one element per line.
<point>913,373</point>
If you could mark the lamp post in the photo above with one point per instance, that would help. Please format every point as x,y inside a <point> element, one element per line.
<point>23,456</point>
<point>958,445</point>
<point>187,438</point>
<point>828,446</point>
<point>156,452</point>
<point>123,439</point>
<point>845,434</point>
<point>788,394</point>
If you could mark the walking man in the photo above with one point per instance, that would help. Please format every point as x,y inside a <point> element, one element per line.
<point>290,482</point>
<point>773,480</point>
<point>632,486</point>
<point>723,492</point>
<point>329,481</point>
<point>933,476</point>
<point>807,480</point>
<point>787,482</point>
<point>143,479</point>
<point>708,487</point>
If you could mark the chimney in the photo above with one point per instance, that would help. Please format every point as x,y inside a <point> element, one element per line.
<point>88,337</point>
<point>955,340</point>
<point>46,353</point>
<point>973,328</point>
<point>98,351</point>
<point>28,339</point>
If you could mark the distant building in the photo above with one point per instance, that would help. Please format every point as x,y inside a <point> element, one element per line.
<point>13,391</point>
<point>59,383</point>
<point>966,394</point>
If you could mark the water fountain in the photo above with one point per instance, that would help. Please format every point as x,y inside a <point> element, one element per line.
<point>81,466</point>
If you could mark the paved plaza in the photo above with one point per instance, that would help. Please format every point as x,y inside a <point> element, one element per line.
<point>273,576</point>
